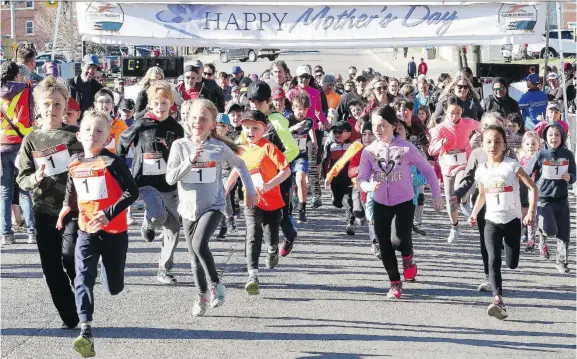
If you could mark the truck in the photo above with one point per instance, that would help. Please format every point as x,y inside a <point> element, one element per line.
<point>243,54</point>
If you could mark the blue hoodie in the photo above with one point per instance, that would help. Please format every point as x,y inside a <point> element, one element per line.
<point>532,104</point>
<point>548,159</point>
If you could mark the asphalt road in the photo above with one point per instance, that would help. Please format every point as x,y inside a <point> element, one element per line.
<point>326,300</point>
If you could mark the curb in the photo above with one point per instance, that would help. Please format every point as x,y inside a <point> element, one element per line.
<point>387,64</point>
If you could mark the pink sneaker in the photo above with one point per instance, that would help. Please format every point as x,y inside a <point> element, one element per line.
<point>395,291</point>
<point>409,268</point>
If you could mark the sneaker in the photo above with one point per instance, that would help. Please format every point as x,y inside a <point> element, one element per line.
<point>409,268</point>
<point>165,278</point>
<point>524,238</point>
<point>252,287</point>
<point>139,205</point>
<point>395,291</point>
<point>376,249</point>
<point>19,227</point>
<point>286,247</point>
<point>65,326</point>
<point>147,232</point>
<point>454,234</point>
<point>544,250</point>
<point>361,221</point>
<point>350,230</point>
<point>272,259</point>
<point>317,202</point>
<point>84,343</point>
<point>530,246</point>
<point>485,286</point>
<point>222,233</point>
<point>497,309</point>
<point>562,267</point>
<point>7,239</point>
<point>32,238</point>
<point>130,219</point>
<point>230,225</point>
<point>302,217</point>
<point>200,305</point>
<point>466,209</point>
<point>417,229</point>
<point>216,294</point>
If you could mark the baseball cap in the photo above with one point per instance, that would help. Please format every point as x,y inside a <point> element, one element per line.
<point>303,70</point>
<point>236,70</point>
<point>278,94</point>
<point>329,80</point>
<point>223,118</point>
<point>246,81</point>
<point>90,60</point>
<point>361,78</point>
<point>533,78</point>
<point>342,125</point>
<point>553,106</point>
<point>127,104</point>
<point>255,115</point>
<point>567,66</point>
<point>235,88</point>
<point>194,63</point>
<point>552,76</point>
<point>259,91</point>
<point>73,104</point>
<point>119,80</point>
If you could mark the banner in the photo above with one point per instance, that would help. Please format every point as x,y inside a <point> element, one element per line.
<point>297,26</point>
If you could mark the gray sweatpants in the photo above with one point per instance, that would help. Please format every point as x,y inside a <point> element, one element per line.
<point>554,220</point>
<point>162,212</point>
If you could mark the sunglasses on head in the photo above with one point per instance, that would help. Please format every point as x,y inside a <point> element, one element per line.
<point>462,87</point>
<point>337,131</point>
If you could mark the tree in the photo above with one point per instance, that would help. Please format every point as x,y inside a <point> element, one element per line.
<point>45,23</point>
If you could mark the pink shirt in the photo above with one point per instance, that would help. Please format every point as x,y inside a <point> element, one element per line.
<point>541,126</point>
<point>451,142</point>
<point>316,105</point>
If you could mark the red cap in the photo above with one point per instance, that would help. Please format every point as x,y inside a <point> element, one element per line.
<point>278,94</point>
<point>73,104</point>
<point>567,66</point>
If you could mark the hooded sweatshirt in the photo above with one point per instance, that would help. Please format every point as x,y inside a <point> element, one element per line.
<point>548,165</point>
<point>451,142</point>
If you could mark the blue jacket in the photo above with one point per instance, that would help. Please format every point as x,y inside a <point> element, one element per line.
<point>532,104</point>
<point>418,181</point>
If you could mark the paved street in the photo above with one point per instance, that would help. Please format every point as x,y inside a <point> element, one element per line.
<point>326,300</point>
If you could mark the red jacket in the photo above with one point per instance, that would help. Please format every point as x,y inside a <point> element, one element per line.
<point>423,68</point>
<point>17,103</point>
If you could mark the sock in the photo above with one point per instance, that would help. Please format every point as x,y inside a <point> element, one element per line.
<point>456,224</point>
<point>85,325</point>
<point>253,271</point>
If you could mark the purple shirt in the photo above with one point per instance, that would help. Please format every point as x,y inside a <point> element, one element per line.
<point>391,165</point>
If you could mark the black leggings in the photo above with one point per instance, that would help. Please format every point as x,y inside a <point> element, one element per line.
<point>403,215</point>
<point>197,235</point>
<point>481,226</point>
<point>494,235</point>
<point>260,224</point>
<point>343,198</point>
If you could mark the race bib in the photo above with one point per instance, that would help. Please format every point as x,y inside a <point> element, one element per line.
<point>90,184</point>
<point>256,177</point>
<point>56,159</point>
<point>499,198</point>
<point>112,145</point>
<point>201,172</point>
<point>554,170</point>
<point>301,141</point>
<point>455,158</point>
<point>153,164</point>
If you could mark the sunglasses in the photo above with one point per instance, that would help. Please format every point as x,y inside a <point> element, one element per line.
<point>107,102</point>
<point>337,132</point>
<point>499,89</point>
<point>208,73</point>
<point>305,77</point>
<point>381,88</point>
<point>462,87</point>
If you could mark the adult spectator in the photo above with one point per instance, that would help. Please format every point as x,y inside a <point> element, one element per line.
<point>237,74</point>
<point>209,71</point>
<point>27,56</point>
<point>195,86</point>
<point>356,95</point>
<point>423,68</point>
<point>394,88</point>
<point>315,112</point>
<point>83,87</point>
<point>352,72</point>
<point>50,69</point>
<point>553,89</point>
<point>333,98</point>
<point>280,74</point>
<point>266,75</point>
<point>376,94</point>
<point>152,74</point>
<point>412,68</point>
<point>443,80</point>
<point>224,83</point>
<point>467,99</point>
<point>500,100</point>
<point>571,85</point>
<point>533,103</point>
<point>118,91</point>
<point>423,96</point>
<point>319,73</point>
<point>349,86</point>
<point>16,117</point>
<point>477,85</point>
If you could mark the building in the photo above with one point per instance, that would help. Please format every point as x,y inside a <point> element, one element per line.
<point>25,16</point>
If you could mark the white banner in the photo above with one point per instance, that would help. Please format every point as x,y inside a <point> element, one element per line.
<point>334,26</point>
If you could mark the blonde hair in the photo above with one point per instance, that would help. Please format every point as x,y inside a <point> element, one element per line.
<point>185,107</point>
<point>97,115</point>
<point>450,88</point>
<point>369,94</point>
<point>150,76</point>
<point>208,105</point>
<point>529,134</point>
<point>48,86</point>
<point>491,118</point>
<point>160,88</point>
<point>302,100</point>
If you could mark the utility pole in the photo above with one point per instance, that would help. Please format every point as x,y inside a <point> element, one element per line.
<point>72,34</point>
<point>13,20</point>
<point>58,10</point>
<point>547,29</point>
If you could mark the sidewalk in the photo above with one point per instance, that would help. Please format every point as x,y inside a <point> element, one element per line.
<point>398,67</point>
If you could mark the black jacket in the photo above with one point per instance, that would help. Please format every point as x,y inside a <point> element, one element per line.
<point>343,107</point>
<point>506,106</point>
<point>471,108</point>
<point>209,90</point>
<point>76,85</point>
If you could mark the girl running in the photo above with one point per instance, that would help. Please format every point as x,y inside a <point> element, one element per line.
<point>498,181</point>
<point>195,164</point>
<point>530,146</point>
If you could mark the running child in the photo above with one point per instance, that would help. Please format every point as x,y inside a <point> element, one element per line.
<point>268,168</point>
<point>531,145</point>
<point>279,102</point>
<point>43,162</point>
<point>235,116</point>
<point>357,119</point>
<point>72,112</point>
<point>104,101</point>
<point>228,223</point>
<point>553,114</point>
<point>498,183</point>
<point>101,188</point>
<point>195,165</point>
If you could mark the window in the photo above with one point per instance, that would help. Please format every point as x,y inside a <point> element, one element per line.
<point>29,28</point>
<point>567,35</point>
<point>553,34</point>
<point>30,4</point>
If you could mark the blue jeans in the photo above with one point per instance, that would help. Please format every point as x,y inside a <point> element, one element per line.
<point>9,171</point>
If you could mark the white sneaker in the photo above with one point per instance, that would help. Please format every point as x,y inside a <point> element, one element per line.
<point>454,234</point>
<point>32,238</point>
<point>7,239</point>
<point>216,294</point>
<point>130,219</point>
<point>200,305</point>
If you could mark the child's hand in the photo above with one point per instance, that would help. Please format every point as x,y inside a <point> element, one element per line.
<point>327,183</point>
<point>63,212</point>
<point>194,156</point>
<point>438,204</point>
<point>99,221</point>
<point>266,187</point>
<point>315,148</point>
<point>529,219</point>
<point>566,177</point>
<point>473,221</point>
<point>39,175</point>
<point>374,186</point>
<point>453,199</point>
<point>251,201</point>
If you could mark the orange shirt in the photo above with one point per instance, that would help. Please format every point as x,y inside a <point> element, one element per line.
<point>118,126</point>
<point>333,99</point>
<point>264,161</point>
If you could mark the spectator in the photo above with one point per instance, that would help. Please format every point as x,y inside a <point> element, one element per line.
<point>224,83</point>
<point>195,86</point>
<point>376,95</point>
<point>118,91</point>
<point>333,98</point>
<point>280,74</point>
<point>554,91</point>
<point>533,103</point>
<point>27,56</point>
<point>570,84</point>
<point>412,68</point>
<point>237,74</point>
<point>443,80</point>
<point>83,87</point>
<point>352,72</point>
<point>209,71</point>
<point>50,69</point>
<point>500,100</point>
<point>477,86</point>
<point>357,94</point>
<point>423,97</point>
<point>423,68</point>
<point>152,74</point>
<point>467,99</point>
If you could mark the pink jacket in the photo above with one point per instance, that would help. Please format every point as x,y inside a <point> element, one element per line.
<point>541,126</point>
<point>451,142</point>
<point>316,105</point>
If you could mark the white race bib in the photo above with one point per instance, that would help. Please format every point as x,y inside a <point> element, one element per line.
<point>201,172</point>
<point>153,164</point>
<point>256,177</point>
<point>499,198</point>
<point>455,158</point>
<point>56,159</point>
<point>301,141</point>
<point>90,185</point>
<point>554,170</point>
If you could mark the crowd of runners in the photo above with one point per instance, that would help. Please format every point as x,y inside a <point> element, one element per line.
<point>209,147</point>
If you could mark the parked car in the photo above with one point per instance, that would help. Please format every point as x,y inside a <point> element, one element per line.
<point>568,40</point>
<point>248,54</point>
<point>47,56</point>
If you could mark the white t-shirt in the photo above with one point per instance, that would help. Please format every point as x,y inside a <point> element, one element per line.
<point>501,185</point>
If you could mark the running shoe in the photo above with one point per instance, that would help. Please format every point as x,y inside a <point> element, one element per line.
<point>361,221</point>
<point>19,227</point>
<point>485,286</point>
<point>376,249</point>
<point>286,247</point>
<point>230,225</point>
<point>252,287</point>
<point>466,209</point>
<point>350,229</point>
<point>31,238</point>
<point>139,205</point>
<point>395,290</point>
<point>409,268</point>
<point>165,278</point>
<point>200,305</point>
<point>530,246</point>
<point>544,250</point>
<point>147,232</point>
<point>216,294</point>
<point>272,259</point>
<point>84,343</point>
<point>417,229</point>
<point>7,239</point>
<point>130,219</point>
<point>302,216</point>
<point>497,309</point>
<point>562,267</point>
<point>317,202</point>
<point>65,326</point>
<point>222,233</point>
<point>524,238</point>
<point>454,234</point>
<point>295,201</point>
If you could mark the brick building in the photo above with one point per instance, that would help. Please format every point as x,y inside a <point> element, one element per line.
<point>25,15</point>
